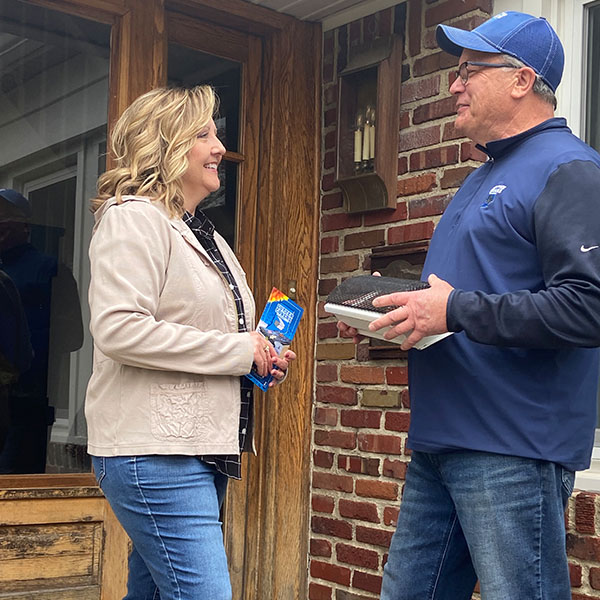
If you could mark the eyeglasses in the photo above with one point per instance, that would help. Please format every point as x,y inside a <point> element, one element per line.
<point>463,69</point>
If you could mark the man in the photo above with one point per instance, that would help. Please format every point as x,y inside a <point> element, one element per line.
<point>503,411</point>
<point>50,302</point>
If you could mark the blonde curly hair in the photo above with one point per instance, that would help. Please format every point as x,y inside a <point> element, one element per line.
<point>150,143</point>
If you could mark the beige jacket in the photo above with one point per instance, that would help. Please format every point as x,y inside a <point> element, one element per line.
<point>167,355</point>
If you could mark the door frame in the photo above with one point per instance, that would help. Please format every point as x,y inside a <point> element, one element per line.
<point>267,559</point>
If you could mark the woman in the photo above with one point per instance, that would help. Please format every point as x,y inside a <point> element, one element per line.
<point>172,317</point>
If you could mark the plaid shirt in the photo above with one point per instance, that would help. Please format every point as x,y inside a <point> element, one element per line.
<point>228,464</point>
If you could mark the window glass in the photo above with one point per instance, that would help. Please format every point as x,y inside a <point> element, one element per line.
<point>187,67</point>
<point>53,110</point>
<point>593,78</point>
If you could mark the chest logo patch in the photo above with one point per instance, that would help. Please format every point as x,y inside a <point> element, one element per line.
<point>495,191</point>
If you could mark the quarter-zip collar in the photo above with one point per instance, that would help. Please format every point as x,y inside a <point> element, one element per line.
<point>497,148</point>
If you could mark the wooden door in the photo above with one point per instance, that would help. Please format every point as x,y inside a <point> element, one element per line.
<point>61,520</point>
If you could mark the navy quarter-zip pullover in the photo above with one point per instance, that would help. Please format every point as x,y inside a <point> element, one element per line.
<point>520,243</point>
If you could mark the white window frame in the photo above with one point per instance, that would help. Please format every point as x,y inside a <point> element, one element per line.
<point>569,19</point>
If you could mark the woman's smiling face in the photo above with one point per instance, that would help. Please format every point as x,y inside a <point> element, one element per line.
<point>201,177</point>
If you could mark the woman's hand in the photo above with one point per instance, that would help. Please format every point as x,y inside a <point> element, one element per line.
<point>263,351</point>
<point>280,366</point>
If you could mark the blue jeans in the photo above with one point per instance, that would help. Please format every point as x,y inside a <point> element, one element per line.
<point>472,515</point>
<point>169,506</point>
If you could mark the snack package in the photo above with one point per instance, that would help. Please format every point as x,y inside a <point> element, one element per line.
<point>278,325</point>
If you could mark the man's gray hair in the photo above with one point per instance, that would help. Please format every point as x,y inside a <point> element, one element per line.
<point>540,87</point>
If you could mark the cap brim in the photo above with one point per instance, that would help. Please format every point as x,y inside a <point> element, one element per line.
<point>454,41</point>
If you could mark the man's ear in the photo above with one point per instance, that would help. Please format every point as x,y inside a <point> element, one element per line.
<point>524,78</point>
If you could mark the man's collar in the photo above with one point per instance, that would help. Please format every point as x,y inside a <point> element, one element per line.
<point>496,148</point>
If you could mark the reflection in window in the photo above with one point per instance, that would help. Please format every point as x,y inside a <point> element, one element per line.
<point>593,78</point>
<point>187,68</point>
<point>53,106</point>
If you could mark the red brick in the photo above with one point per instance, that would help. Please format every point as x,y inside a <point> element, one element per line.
<point>328,76</point>
<point>377,537</point>
<point>395,468</point>
<point>415,27</point>
<point>360,557</point>
<point>594,577</point>
<point>585,512</point>
<point>319,592</point>
<point>432,63</point>
<point>336,395</point>
<point>330,481</point>
<point>455,8</point>
<point>330,244</point>
<point>435,157</point>
<point>329,160</point>
<point>329,201</point>
<point>390,516</point>
<point>420,88</point>
<point>328,182</point>
<point>396,375</point>
<point>361,374</point>
<point>362,511</point>
<point>359,464</point>
<point>402,165</point>
<point>367,582</point>
<point>405,395</point>
<point>327,330</point>
<point>584,548</point>
<point>368,488</point>
<point>329,572</point>
<point>343,595</point>
<point>330,117</point>
<point>330,94</point>
<point>332,527</point>
<point>361,418</point>
<point>339,264</point>
<point>330,140</point>
<point>397,421</point>
<point>322,504</point>
<point>416,184</point>
<point>326,286</point>
<point>411,232</point>
<point>455,177</point>
<point>364,239</point>
<point>419,138</point>
<point>386,216</point>
<point>320,547</point>
<point>450,132</point>
<point>404,119</point>
<point>428,207</point>
<point>340,221</point>
<point>326,373</point>
<point>337,439</point>
<point>325,416</point>
<point>382,444</point>
<point>575,575</point>
<point>468,151</point>
<point>434,110</point>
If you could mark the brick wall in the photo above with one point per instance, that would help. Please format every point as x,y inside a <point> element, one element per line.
<point>362,407</point>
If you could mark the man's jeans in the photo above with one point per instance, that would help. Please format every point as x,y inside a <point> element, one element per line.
<point>472,515</point>
<point>169,506</point>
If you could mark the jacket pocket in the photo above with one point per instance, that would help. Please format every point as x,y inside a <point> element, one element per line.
<point>181,411</point>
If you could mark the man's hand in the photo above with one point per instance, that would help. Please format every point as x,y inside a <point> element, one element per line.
<point>349,332</point>
<point>419,313</point>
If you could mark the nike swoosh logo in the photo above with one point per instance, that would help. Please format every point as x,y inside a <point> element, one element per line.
<point>584,249</point>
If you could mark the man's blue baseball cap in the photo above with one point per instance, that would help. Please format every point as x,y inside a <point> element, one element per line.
<point>530,39</point>
<point>18,207</point>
